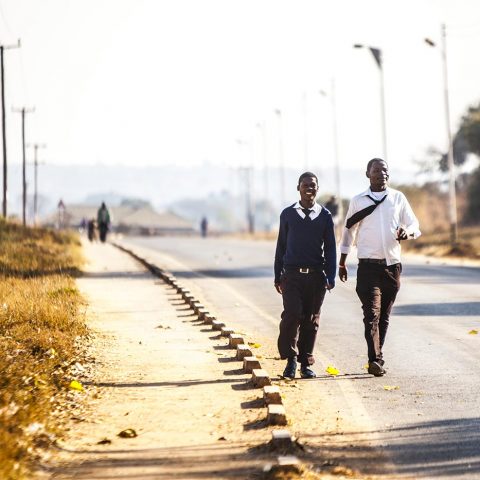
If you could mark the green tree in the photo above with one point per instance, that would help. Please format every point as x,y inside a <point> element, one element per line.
<point>470,131</point>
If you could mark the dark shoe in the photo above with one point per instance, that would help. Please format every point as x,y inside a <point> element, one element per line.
<point>307,372</point>
<point>374,368</point>
<point>291,368</point>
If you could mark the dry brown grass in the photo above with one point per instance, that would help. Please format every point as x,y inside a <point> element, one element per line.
<point>40,327</point>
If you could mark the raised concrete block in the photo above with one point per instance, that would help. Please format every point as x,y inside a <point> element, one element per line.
<point>243,351</point>
<point>276,415</point>
<point>260,378</point>
<point>202,313</point>
<point>217,325</point>
<point>197,306</point>
<point>271,395</point>
<point>209,319</point>
<point>188,298</point>
<point>226,332</point>
<point>235,339</point>
<point>281,438</point>
<point>251,363</point>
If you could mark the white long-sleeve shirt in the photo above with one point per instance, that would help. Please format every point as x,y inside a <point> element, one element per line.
<point>376,235</point>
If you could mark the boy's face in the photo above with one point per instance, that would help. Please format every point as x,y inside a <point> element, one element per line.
<point>378,174</point>
<point>308,189</point>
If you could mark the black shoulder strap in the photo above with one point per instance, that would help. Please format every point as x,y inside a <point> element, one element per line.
<point>365,212</point>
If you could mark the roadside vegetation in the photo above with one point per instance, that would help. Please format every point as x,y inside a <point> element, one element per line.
<point>41,330</point>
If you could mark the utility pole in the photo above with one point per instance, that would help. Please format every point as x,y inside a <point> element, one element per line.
<point>452,194</point>
<point>278,112</point>
<point>35,146</point>
<point>305,129</point>
<point>377,55</point>
<point>4,126</point>
<point>23,111</point>
<point>262,127</point>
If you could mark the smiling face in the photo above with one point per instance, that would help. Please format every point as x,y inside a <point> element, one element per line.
<point>308,188</point>
<point>378,175</point>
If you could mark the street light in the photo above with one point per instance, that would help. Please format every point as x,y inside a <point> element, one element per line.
<point>452,196</point>
<point>335,146</point>
<point>377,55</point>
<point>278,113</point>
<point>248,177</point>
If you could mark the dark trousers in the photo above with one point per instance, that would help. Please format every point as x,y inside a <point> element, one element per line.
<point>303,295</point>
<point>377,288</point>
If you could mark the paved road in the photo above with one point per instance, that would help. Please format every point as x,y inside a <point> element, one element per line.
<point>430,426</point>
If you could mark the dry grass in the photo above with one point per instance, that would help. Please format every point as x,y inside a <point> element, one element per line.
<point>438,244</point>
<point>40,328</point>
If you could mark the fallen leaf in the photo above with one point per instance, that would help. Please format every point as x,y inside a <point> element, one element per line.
<point>74,385</point>
<point>473,332</point>
<point>104,441</point>
<point>332,370</point>
<point>254,345</point>
<point>365,366</point>
<point>128,433</point>
<point>390,387</point>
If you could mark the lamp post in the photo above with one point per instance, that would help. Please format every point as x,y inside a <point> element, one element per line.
<point>452,196</point>
<point>248,177</point>
<point>377,55</point>
<point>278,113</point>
<point>335,147</point>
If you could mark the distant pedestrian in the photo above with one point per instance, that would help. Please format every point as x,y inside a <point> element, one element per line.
<point>305,265</point>
<point>332,207</point>
<point>91,230</point>
<point>204,226</point>
<point>103,222</point>
<point>378,219</point>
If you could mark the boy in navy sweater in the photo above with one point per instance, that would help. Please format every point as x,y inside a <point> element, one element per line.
<point>305,267</point>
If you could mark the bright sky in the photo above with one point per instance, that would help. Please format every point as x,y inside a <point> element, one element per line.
<point>154,82</point>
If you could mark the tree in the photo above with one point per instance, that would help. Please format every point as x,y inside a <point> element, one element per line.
<point>470,131</point>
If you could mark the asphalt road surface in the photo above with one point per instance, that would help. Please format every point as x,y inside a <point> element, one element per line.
<point>430,426</point>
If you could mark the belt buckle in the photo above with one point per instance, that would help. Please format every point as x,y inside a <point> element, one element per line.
<point>304,270</point>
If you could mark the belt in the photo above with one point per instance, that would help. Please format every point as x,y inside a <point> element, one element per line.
<point>380,261</point>
<point>301,269</point>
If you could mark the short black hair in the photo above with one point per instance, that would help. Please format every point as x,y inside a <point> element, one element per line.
<point>372,161</point>
<point>305,175</point>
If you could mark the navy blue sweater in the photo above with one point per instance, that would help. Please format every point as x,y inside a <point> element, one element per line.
<point>306,243</point>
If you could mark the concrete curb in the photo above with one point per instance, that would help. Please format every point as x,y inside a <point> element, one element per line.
<point>276,414</point>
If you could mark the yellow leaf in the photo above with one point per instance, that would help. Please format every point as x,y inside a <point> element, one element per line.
<point>473,332</point>
<point>74,385</point>
<point>128,433</point>
<point>365,366</point>
<point>332,370</point>
<point>254,345</point>
<point>390,387</point>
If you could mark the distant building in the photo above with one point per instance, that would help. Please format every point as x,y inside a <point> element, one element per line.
<point>141,220</point>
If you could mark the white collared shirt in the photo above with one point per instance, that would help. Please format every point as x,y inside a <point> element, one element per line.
<point>315,210</point>
<point>375,235</point>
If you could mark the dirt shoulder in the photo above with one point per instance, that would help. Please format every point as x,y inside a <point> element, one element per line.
<point>173,381</point>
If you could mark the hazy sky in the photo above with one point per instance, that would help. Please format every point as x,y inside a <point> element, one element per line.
<point>153,82</point>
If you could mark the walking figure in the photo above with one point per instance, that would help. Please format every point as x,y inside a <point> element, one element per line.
<point>305,266</point>
<point>103,222</point>
<point>204,226</point>
<point>378,219</point>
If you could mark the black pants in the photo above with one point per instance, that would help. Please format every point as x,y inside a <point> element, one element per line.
<point>303,295</point>
<point>103,229</point>
<point>377,288</point>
